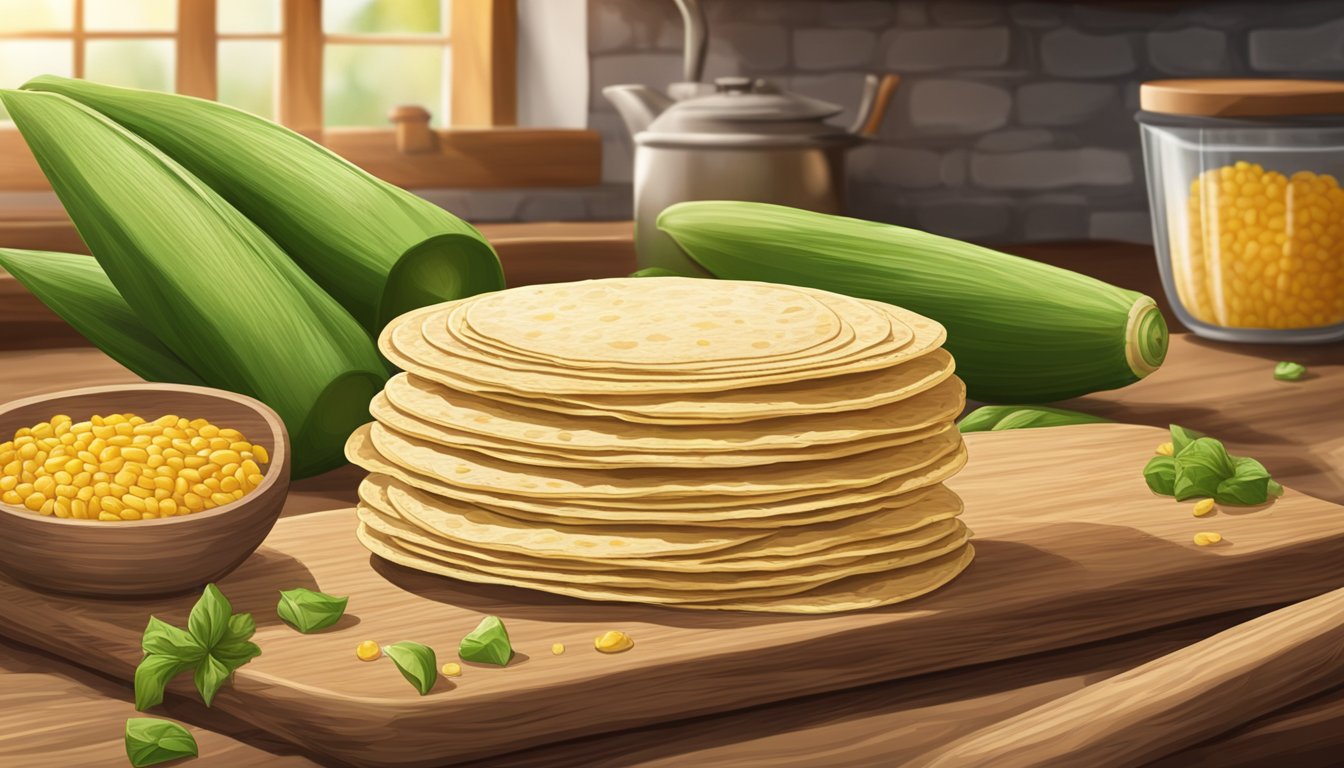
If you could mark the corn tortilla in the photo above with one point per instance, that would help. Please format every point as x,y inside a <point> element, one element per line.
<point>479,472</point>
<point>551,431</point>
<point>403,342</point>
<point>885,531</point>
<point>864,591</point>
<point>793,510</point>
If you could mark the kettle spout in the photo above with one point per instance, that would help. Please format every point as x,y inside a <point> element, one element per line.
<point>637,104</point>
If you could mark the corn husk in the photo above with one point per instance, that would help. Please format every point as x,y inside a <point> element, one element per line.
<point>209,283</point>
<point>75,287</point>
<point>378,249</point>
<point>1021,331</point>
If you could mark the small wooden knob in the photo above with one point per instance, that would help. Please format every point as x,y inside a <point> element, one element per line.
<point>412,128</point>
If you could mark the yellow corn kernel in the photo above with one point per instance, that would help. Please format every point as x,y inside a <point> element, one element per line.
<point>1207,538</point>
<point>254,480</point>
<point>34,501</point>
<point>128,513</point>
<point>229,484</point>
<point>133,502</point>
<point>368,651</point>
<point>108,516</point>
<point>62,508</point>
<point>193,502</point>
<point>8,482</point>
<point>451,669</point>
<point>262,456</point>
<point>613,641</point>
<point>1203,507</point>
<point>224,458</point>
<point>221,498</point>
<point>79,509</point>
<point>557,648</point>
<point>218,444</point>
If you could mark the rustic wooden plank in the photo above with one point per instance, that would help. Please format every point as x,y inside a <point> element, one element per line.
<point>485,63</point>
<point>882,724</point>
<point>484,158</point>
<point>1071,549</point>
<point>1310,734</point>
<point>55,718</point>
<point>1173,702</point>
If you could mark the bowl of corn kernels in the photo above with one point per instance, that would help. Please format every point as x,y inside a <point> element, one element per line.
<point>145,489</point>
<point>1244,181</point>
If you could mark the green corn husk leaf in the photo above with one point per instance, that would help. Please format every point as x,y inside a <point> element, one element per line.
<point>997,418</point>
<point>378,249</point>
<point>1021,331</point>
<point>210,284</point>
<point>75,287</point>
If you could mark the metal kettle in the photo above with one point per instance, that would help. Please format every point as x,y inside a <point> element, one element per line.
<point>738,139</point>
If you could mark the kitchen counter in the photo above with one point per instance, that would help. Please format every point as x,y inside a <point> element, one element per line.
<point>56,714</point>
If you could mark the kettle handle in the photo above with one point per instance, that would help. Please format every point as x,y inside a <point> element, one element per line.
<point>877,93</point>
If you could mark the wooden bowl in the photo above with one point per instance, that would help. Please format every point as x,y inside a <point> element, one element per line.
<point>144,557</point>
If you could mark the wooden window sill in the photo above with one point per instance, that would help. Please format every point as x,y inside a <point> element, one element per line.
<point>460,158</point>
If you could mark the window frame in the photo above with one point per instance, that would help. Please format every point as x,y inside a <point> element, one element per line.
<point>481,148</point>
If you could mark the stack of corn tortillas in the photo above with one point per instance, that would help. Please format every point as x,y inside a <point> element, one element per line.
<point>694,443</point>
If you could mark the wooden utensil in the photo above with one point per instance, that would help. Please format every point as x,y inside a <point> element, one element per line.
<point>1173,702</point>
<point>144,557</point>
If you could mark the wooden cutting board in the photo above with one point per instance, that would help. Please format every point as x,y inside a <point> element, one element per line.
<point>1071,548</point>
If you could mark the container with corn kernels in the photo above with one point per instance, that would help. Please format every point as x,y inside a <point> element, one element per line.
<point>1244,180</point>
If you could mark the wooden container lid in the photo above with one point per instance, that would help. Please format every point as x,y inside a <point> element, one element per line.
<point>1243,98</point>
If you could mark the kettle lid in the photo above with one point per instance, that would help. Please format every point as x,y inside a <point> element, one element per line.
<point>741,105</point>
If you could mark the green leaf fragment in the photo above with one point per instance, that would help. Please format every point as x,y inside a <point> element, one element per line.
<point>1286,371</point>
<point>163,639</point>
<point>1249,484</point>
<point>488,643</point>
<point>1003,417</point>
<point>417,664</point>
<point>216,643</point>
<point>308,611</point>
<point>209,618</point>
<point>152,676</point>
<point>1181,437</point>
<point>150,741</point>
<point>1200,467</point>
<point>211,674</point>
<point>1160,474</point>
<point>1274,488</point>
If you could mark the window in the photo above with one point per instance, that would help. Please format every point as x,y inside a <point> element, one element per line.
<point>332,69</point>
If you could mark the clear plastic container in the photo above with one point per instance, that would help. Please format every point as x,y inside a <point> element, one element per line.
<point>1248,209</point>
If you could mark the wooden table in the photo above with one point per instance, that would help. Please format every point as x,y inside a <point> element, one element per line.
<point>57,715</point>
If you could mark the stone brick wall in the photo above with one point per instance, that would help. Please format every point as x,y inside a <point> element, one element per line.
<point>1014,120</point>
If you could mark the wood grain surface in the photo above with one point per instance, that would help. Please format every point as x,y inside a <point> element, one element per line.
<point>1176,701</point>
<point>1072,549</point>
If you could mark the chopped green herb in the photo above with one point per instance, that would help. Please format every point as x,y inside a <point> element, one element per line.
<point>150,741</point>
<point>1160,474</point>
<point>1249,484</point>
<point>215,643</point>
<point>1000,417</point>
<point>1181,437</point>
<point>488,643</point>
<point>416,662</point>
<point>1286,371</point>
<point>308,611</point>
<point>1200,467</point>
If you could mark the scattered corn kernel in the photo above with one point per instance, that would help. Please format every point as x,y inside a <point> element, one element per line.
<point>1165,449</point>
<point>368,651</point>
<point>1207,538</point>
<point>613,642</point>
<point>558,648</point>
<point>122,467</point>
<point>1203,507</point>
<point>451,669</point>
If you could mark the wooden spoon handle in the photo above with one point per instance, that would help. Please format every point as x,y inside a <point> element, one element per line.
<point>1172,702</point>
